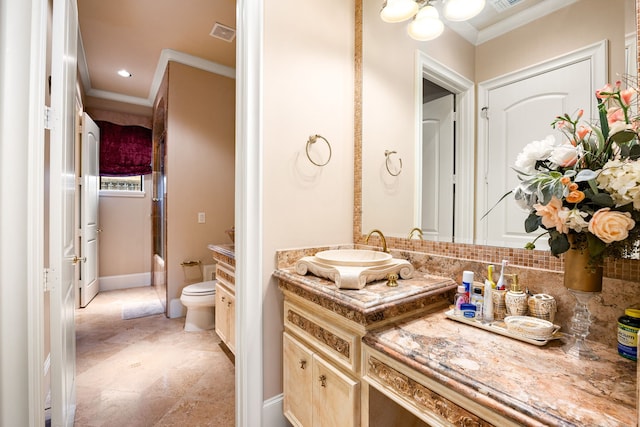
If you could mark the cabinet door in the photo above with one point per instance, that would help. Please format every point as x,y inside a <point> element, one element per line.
<point>297,377</point>
<point>222,318</point>
<point>231,322</point>
<point>336,397</point>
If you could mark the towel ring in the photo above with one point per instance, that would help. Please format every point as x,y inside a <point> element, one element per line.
<point>387,155</point>
<point>312,140</point>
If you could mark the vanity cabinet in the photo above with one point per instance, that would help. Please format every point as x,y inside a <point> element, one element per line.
<point>226,316</point>
<point>315,392</point>
<point>225,311</point>
<point>322,342</point>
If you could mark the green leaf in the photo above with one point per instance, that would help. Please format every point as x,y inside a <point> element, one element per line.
<point>532,223</point>
<point>634,153</point>
<point>602,199</point>
<point>585,175</point>
<point>623,136</point>
<point>596,246</point>
<point>496,204</point>
<point>604,124</point>
<point>558,242</point>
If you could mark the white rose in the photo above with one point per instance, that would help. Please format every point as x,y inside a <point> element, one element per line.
<point>565,155</point>
<point>534,151</point>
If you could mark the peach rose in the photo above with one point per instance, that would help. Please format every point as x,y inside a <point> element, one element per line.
<point>611,226</point>
<point>575,196</point>
<point>552,214</point>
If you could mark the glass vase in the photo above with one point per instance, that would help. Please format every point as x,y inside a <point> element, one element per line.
<point>583,280</point>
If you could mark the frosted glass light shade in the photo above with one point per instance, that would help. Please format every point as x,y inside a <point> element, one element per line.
<point>426,25</point>
<point>398,10</point>
<point>461,10</point>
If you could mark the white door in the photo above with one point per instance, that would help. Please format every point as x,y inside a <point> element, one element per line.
<point>437,169</point>
<point>519,112</point>
<point>88,282</point>
<point>62,250</point>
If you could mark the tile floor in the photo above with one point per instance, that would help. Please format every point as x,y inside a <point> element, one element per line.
<point>148,371</point>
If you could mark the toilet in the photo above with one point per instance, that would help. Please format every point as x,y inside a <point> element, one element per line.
<point>199,299</point>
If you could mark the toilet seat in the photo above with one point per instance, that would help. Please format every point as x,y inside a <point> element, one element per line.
<point>200,289</point>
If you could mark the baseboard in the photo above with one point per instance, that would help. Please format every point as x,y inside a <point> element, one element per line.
<point>124,281</point>
<point>272,415</point>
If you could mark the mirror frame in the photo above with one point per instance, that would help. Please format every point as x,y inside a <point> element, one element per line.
<point>624,269</point>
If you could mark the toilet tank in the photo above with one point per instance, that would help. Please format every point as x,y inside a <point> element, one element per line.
<point>208,272</point>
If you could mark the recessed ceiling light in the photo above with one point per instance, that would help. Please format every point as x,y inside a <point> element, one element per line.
<point>124,73</point>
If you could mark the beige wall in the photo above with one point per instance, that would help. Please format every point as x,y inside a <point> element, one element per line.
<point>576,26</point>
<point>125,241</point>
<point>200,166</point>
<point>389,113</point>
<point>308,89</point>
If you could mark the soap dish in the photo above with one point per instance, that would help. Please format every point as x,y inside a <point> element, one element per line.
<point>530,327</point>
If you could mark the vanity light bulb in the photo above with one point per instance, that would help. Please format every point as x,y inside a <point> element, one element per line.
<point>461,10</point>
<point>398,10</point>
<point>426,25</point>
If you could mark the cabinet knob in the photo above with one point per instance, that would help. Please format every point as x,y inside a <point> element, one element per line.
<point>323,380</point>
<point>229,304</point>
<point>303,364</point>
<point>223,299</point>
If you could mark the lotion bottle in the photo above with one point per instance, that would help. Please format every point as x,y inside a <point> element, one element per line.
<point>516,299</point>
<point>487,310</point>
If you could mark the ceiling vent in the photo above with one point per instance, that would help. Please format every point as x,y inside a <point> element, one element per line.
<point>502,5</point>
<point>223,32</point>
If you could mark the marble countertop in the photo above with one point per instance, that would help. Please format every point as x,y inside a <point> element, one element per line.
<point>376,301</point>
<point>227,251</point>
<point>533,385</point>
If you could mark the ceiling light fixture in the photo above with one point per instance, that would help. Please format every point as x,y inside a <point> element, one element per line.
<point>398,10</point>
<point>462,10</point>
<point>124,73</point>
<point>426,23</point>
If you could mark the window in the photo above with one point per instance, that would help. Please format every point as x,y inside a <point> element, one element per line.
<point>122,185</point>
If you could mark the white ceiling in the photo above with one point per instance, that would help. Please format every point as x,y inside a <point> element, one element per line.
<point>142,35</point>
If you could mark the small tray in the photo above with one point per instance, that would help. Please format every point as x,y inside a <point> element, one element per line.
<point>499,327</point>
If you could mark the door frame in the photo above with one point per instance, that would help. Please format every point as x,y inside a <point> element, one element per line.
<point>248,214</point>
<point>432,70</point>
<point>595,53</point>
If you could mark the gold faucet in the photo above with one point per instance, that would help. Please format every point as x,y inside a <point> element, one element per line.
<point>384,241</point>
<point>416,229</point>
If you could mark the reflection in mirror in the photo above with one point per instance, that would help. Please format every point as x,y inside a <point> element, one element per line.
<point>392,103</point>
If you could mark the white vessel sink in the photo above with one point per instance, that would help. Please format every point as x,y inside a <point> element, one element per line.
<point>353,268</point>
<point>353,257</point>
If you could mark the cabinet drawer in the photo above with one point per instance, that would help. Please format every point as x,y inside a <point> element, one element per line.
<point>424,397</point>
<point>337,344</point>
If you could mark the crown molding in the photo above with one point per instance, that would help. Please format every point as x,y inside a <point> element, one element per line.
<point>469,33</point>
<point>165,56</point>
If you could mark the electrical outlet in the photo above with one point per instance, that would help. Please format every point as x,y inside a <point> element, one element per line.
<point>201,218</point>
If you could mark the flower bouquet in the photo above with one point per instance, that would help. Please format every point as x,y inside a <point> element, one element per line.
<point>585,193</point>
<point>588,186</point>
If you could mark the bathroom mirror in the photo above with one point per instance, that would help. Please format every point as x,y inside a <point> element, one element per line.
<point>393,67</point>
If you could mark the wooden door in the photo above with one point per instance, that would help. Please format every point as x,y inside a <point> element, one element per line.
<point>62,248</point>
<point>88,284</point>
<point>519,109</point>
<point>438,169</point>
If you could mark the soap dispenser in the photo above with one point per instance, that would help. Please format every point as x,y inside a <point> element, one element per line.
<point>515,299</point>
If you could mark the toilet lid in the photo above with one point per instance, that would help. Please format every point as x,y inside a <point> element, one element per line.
<point>202,288</point>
